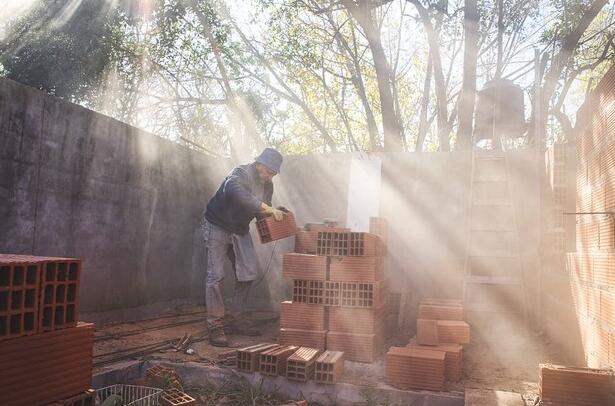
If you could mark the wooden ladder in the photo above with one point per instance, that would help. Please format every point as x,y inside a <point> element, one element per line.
<point>494,278</point>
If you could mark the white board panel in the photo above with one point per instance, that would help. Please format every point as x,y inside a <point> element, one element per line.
<point>363,190</point>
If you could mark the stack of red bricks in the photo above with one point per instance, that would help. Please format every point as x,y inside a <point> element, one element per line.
<point>560,385</point>
<point>338,295</point>
<point>435,355</point>
<point>46,356</point>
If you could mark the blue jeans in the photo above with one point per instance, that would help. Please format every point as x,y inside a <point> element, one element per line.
<point>239,249</point>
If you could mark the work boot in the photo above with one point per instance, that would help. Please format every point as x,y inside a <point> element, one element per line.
<point>242,328</point>
<point>217,338</point>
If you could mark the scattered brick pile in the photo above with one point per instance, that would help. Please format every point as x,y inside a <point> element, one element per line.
<point>339,295</point>
<point>38,327</point>
<point>271,230</point>
<point>560,385</point>
<point>293,362</point>
<point>435,355</point>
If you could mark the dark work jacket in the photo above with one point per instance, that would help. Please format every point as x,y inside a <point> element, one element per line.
<point>238,200</point>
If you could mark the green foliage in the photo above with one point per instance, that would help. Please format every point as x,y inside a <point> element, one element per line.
<point>300,70</point>
<point>58,49</point>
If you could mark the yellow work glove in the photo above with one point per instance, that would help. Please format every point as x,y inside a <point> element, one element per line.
<point>277,215</point>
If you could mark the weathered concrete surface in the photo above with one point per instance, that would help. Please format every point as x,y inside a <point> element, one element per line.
<point>77,183</point>
<point>482,397</point>
<point>121,372</point>
<point>341,394</point>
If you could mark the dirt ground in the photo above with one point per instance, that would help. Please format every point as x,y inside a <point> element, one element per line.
<point>502,356</point>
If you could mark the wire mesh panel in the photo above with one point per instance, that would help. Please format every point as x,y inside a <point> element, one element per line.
<point>131,395</point>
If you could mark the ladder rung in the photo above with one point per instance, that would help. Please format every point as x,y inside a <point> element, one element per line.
<point>491,230</point>
<point>493,280</point>
<point>491,203</point>
<point>490,181</point>
<point>489,158</point>
<point>495,256</point>
<point>486,307</point>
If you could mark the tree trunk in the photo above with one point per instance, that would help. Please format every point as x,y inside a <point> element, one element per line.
<point>467,97</point>
<point>420,139</point>
<point>361,13</point>
<point>439,82</point>
<point>239,150</point>
<point>354,67</point>
<point>559,62</point>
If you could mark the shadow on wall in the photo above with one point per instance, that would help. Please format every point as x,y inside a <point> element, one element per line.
<point>77,183</point>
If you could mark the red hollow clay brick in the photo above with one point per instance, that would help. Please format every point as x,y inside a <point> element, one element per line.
<point>356,347</point>
<point>59,293</point>
<point>19,291</point>
<point>300,366</point>
<point>304,266</point>
<point>453,358</point>
<point>362,294</point>
<point>303,338</point>
<point>427,332</point>
<point>574,386</point>
<point>415,368</point>
<point>356,320</point>
<point>356,269</point>
<point>63,360</point>
<point>308,291</point>
<point>271,230</point>
<point>450,331</point>
<point>249,357</point>
<point>302,316</point>
<point>306,242</point>
<point>273,361</point>
<point>329,367</point>
<point>348,244</point>
<point>440,312</point>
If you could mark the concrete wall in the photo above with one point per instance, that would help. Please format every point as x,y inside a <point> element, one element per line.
<point>77,183</point>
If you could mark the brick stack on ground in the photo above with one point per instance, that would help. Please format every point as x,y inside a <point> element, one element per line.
<point>38,327</point>
<point>338,292</point>
<point>435,355</point>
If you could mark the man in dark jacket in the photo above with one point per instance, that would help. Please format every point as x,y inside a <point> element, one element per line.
<point>245,193</point>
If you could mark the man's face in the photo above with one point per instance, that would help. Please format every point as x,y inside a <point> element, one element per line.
<point>264,174</point>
